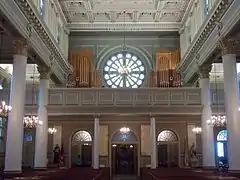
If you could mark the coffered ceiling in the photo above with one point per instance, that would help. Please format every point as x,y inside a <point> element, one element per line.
<point>118,15</point>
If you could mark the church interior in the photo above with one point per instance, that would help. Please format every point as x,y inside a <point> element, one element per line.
<point>119,89</point>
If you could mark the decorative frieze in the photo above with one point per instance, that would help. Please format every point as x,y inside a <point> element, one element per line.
<point>203,34</point>
<point>20,47</point>
<point>204,71</point>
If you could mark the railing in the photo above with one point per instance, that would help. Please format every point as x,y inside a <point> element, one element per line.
<point>124,97</point>
<point>107,96</point>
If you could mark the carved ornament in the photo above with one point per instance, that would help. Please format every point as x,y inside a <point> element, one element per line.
<point>227,46</point>
<point>44,72</point>
<point>20,47</point>
<point>204,71</point>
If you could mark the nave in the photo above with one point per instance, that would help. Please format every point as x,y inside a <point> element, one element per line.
<point>88,173</point>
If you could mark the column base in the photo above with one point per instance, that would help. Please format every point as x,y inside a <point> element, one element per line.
<point>209,167</point>
<point>40,168</point>
<point>11,174</point>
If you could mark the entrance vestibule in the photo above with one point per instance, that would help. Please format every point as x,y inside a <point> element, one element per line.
<point>124,152</point>
<point>221,148</point>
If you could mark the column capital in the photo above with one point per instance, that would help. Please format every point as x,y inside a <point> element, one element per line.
<point>227,46</point>
<point>204,70</point>
<point>20,47</point>
<point>44,72</point>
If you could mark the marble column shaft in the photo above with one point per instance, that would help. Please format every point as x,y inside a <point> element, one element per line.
<point>14,144</point>
<point>208,148</point>
<point>41,139</point>
<point>96,143</point>
<point>231,93</point>
<point>153,143</point>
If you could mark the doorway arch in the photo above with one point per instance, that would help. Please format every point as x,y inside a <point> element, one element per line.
<point>81,149</point>
<point>168,149</point>
<point>221,147</point>
<point>124,152</point>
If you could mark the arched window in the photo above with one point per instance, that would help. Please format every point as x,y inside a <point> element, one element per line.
<point>167,136</point>
<point>42,7</point>
<point>206,7</point>
<point>124,70</point>
<point>222,135</point>
<point>125,137</point>
<point>81,136</point>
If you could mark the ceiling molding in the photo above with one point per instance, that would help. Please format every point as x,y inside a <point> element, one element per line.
<point>145,26</point>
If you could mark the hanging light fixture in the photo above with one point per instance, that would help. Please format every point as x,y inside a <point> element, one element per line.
<point>217,119</point>
<point>197,130</point>
<point>52,130</point>
<point>124,130</point>
<point>4,109</point>
<point>31,121</point>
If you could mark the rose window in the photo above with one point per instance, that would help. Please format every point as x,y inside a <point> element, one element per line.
<point>124,70</point>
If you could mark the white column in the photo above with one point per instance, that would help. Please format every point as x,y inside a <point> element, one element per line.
<point>14,144</point>
<point>41,139</point>
<point>153,143</point>
<point>231,91</point>
<point>96,143</point>
<point>208,150</point>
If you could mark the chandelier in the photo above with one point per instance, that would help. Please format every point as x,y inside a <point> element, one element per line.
<point>124,130</point>
<point>4,109</point>
<point>52,130</point>
<point>217,120</point>
<point>197,130</point>
<point>31,122</point>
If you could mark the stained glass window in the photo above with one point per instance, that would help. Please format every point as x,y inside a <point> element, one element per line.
<point>81,136</point>
<point>222,135</point>
<point>124,70</point>
<point>167,136</point>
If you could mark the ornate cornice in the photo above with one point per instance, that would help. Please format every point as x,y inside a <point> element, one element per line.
<point>203,34</point>
<point>36,22</point>
<point>121,26</point>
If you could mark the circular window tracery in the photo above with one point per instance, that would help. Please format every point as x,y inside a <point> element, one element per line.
<point>81,136</point>
<point>167,136</point>
<point>124,70</point>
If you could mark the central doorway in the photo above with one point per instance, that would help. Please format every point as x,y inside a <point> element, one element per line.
<point>124,153</point>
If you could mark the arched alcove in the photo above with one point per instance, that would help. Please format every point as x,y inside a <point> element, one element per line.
<point>81,148</point>
<point>168,149</point>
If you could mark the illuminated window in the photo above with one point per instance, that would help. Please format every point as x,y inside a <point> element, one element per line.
<point>167,136</point>
<point>220,149</point>
<point>81,136</point>
<point>206,7</point>
<point>42,7</point>
<point>222,135</point>
<point>124,70</point>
